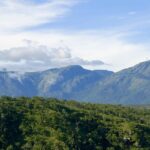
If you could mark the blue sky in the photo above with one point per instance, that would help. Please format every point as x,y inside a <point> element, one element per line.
<point>97,34</point>
<point>100,14</point>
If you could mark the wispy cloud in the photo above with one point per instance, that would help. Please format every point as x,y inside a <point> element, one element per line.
<point>19,14</point>
<point>132,13</point>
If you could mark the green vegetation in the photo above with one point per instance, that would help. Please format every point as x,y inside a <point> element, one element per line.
<point>49,124</point>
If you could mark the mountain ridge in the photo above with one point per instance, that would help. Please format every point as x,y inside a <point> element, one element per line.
<point>129,86</point>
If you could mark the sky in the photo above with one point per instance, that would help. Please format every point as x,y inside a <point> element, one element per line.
<point>96,34</point>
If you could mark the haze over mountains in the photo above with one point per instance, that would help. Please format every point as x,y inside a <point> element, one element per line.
<point>129,86</point>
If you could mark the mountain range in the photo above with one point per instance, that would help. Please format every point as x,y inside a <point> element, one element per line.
<point>129,86</point>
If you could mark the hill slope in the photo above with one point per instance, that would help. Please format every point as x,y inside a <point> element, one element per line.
<point>130,86</point>
<point>49,124</point>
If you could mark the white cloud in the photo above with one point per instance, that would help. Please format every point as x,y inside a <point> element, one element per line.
<point>33,57</point>
<point>111,47</point>
<point>19,14</point>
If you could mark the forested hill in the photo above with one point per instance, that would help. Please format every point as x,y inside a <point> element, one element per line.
<point>50,124</point>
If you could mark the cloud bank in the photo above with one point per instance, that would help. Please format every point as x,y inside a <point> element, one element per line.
<point>34,57</point>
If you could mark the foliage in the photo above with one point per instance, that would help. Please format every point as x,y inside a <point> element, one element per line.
<point>49,124</point>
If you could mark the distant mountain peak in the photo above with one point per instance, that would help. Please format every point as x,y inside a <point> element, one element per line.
<point>141,68</point>
<point>145,64</point>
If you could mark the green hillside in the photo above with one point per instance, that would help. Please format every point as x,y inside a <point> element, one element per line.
<point>50,124</point>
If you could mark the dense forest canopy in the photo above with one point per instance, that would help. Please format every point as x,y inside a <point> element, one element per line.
<point>50,124</point>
